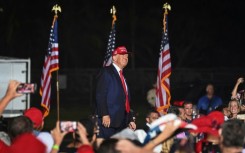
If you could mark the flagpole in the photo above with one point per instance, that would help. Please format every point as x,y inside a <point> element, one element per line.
<point>111,40</point>
<point>114,17</point>
<point>56,8</point>
<point>163,95</point>
<point>58,95</point>
<point>166,7</point>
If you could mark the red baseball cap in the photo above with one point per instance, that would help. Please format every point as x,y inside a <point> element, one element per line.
<point>178,103</point>
<point>35,115</point>
<point>120,50</point>
<point>209,124</point>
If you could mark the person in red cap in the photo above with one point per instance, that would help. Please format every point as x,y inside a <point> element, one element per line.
<point>36,116</point>
<point>238,95</point>
<point>112,96</point>
<point>208,127</point>
<point>20,130</point>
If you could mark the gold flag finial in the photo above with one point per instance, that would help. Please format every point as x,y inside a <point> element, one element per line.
<point>166,7</point>
<point>56,8</point>
<point>113,12</point>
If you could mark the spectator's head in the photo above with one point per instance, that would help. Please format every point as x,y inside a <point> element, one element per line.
<point>108,146</point>
<point>174,110</point>
<point>188,108</point>
<point>20,125</point>
<point>234,107</point>
<point>232,135</point>
<point>224,109</point>
<point>181,112</point>
<point>210,89</point>
<point>152,115</point>
<point>36,117</point>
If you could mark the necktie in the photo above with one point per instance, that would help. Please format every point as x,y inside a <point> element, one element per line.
<point>125,90</point>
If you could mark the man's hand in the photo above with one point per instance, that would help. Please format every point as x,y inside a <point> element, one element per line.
<point>132,125</point>
<point>106,121</point>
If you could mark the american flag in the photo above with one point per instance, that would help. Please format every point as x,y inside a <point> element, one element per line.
<point>163,95</point>
<point>51,63</point>
<point>110,46</point>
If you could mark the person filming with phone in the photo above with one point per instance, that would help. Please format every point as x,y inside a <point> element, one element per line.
<point>237,94</point>
<point>113,97</point>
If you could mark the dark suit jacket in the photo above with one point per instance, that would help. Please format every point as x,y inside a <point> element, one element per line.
<point>110,97</point>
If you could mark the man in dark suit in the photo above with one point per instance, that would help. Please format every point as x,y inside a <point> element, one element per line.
<point>112,97</point>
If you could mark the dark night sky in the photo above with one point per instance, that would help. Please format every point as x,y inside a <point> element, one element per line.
<point>202,33</point>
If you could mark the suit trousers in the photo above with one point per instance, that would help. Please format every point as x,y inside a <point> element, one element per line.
<point>106,133</point>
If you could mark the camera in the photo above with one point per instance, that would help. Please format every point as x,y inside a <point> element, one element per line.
<point>68,126</point>
<point>26,88</point>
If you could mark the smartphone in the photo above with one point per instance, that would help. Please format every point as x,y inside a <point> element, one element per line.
<point>68,126</point>
<point>26,88</point>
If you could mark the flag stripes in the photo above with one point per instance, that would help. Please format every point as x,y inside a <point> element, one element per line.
<point>110,46</point>
<point>163,95</point>
<point>51,64</point>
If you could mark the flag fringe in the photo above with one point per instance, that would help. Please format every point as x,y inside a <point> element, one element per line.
<point>46,110</point>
